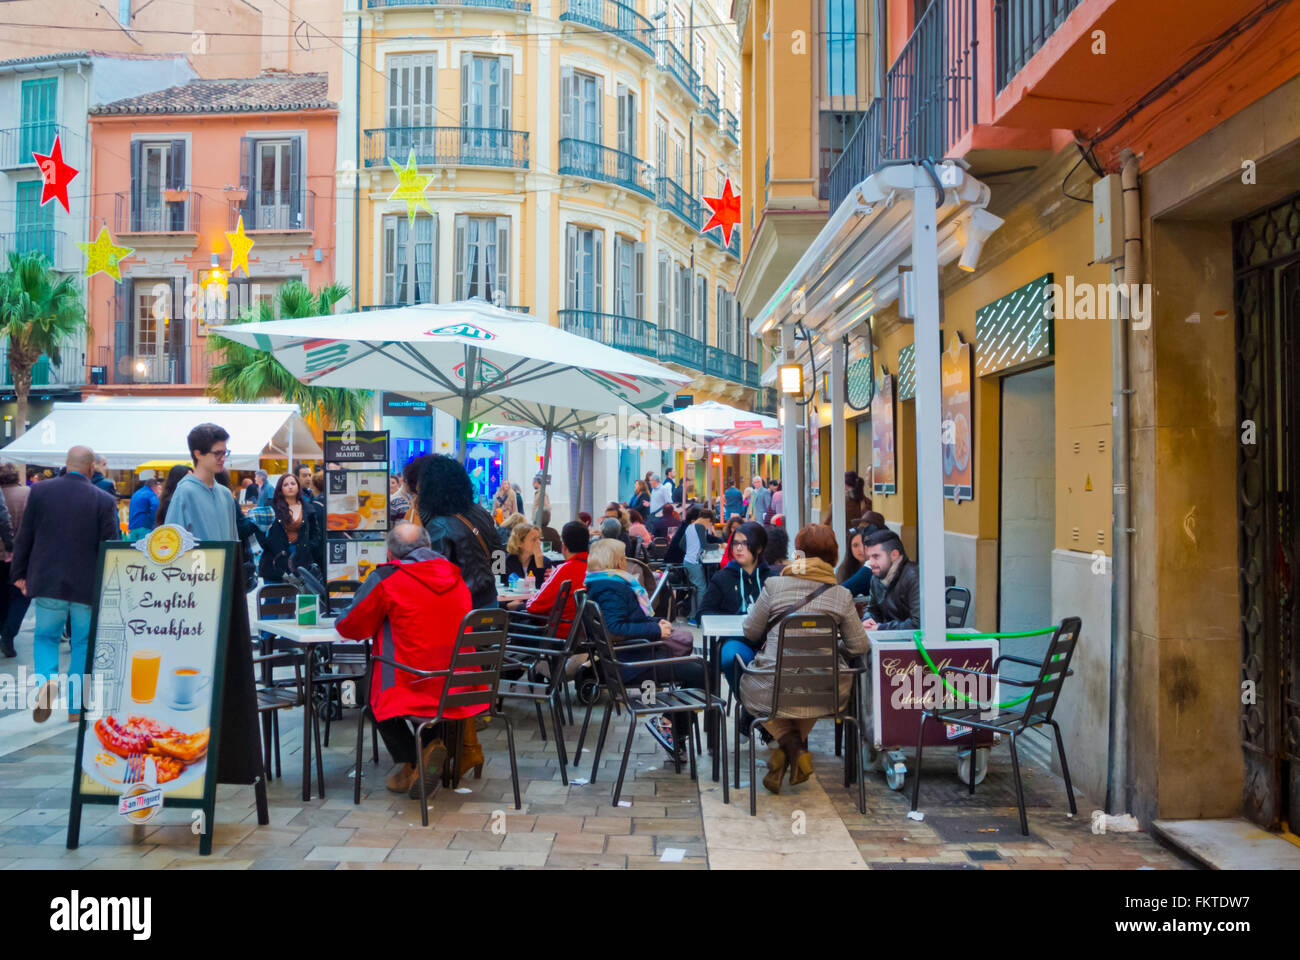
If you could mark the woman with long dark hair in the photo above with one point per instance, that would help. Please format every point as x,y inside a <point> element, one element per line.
<point>294,538</point>
<point>458,527</point>
<point>174,476</point>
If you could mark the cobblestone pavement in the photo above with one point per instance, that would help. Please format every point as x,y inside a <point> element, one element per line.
<point>669,822</point>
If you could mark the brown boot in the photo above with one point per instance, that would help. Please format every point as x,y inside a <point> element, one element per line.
<point>471,754</point>
<point>435,756</point>
<point>776,765</point>
<point>800,760</point>
<point>401,777</point>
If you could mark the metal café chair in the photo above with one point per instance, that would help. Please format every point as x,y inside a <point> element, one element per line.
<point>1039,704</point>
<point>806,675</point>
<point>472,679</point>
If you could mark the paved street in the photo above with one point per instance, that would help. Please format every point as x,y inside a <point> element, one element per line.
<point>669,822</point>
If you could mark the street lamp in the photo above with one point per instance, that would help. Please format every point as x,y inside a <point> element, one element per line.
<point>791,378</point>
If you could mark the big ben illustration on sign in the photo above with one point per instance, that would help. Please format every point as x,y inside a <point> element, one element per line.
<point>110,643</point>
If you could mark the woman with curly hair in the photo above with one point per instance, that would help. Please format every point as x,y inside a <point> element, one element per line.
<point>459,528</point>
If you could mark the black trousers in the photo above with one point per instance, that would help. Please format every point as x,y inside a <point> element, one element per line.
<point>399,737</point>
<point>682,674</point>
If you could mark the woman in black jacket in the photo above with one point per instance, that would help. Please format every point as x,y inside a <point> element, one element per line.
<point>736,587</point>
<point>295,537</point>
<point>460,529</point>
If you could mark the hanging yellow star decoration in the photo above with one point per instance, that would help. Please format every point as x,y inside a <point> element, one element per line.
<point>411,187</point>
<point>103,255</point>
<point>240,244</point>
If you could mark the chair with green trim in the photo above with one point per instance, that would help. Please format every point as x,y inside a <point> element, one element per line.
<point>1039,704</point>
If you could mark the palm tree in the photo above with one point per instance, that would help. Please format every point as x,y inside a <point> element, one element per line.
<point>39,313</point>
<point>246,374</point>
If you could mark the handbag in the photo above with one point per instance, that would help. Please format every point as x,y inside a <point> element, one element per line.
<point>773,621</point>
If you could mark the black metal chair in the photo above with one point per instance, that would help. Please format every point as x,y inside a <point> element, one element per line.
<point>957,606</point>
<point>271,699</point>
<point>476,660</point>
<point>336,665</point>
<point>657,550</point>
<point>525,628</point>
<point>553,652</point>
<point>806,675</point>
<point>1043,693</point>
<point>668,699</point>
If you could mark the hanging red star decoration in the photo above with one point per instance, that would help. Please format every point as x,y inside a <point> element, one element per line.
<point>726,212</point>
<point>57,175</point>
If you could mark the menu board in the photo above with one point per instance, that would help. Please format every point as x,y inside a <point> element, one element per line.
<point>355,559</point>
<point>157,655</point>
<point>957,436</point>
<point>883,478</point>
<point>905,685</point>
<point>356,500</point>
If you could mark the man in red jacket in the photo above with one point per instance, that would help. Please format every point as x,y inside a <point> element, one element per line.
<point>412,607</point>
<point>574,540</point>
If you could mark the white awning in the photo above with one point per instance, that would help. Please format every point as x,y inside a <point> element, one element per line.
<point>129,432</point>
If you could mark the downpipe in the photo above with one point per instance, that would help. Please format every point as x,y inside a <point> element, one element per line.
<point>1117,779</point>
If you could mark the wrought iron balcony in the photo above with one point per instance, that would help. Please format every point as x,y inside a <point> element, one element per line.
<point>723,365</point>
<point>677,347</point>
<point>671,60</point>
<point>169,211</point>
<point>389,306</point>
<point>626,333</point>
<point>751,373</point>
<point>17,144</point>
<point>516,6</point>
<point>41,240</point>
<point>709,102</point>
<point>730,126</point>
<point>581,158</point>
<point>610,16</point>
<point>671,195</point>
<point>1020,28</point>
<point>69,372</point>
<point>448,146</point>
<point>165,364</point>
<point>283,212</point>
<point>929,99</point>
<point>715,235</point>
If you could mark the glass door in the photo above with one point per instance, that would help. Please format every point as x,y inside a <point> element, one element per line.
<point>154,216</point>
<point>273,173</point>
<point>152,360</point>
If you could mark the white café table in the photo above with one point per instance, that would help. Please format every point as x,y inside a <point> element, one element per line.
<point>714,628</point>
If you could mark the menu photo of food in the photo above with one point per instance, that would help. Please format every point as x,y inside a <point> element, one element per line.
<point>356,500</point>
<point>355,559</point>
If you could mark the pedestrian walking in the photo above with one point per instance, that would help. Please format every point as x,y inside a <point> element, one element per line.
<point>201,505</point>
<point>15,494</point>
<point>55,556</point>
<point>143,512</point>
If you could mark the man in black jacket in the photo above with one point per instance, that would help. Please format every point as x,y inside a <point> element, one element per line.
<point>54,563</point>
<point>895,602</point>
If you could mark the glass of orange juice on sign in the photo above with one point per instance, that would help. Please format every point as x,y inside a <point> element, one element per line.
<point>144,675</point>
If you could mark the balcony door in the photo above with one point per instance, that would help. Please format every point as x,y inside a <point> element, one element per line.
<point>39,112</point>
<point>485,103</point>
<point>152,332</point>
<point>629,278</point>
<point>412,104</point>
<point>584,269</point>
<point>156,167</point>
<point>483,259</point>
<point>410,268</point>
<point>273,184</point>
<point>626,134</point>
<point>581,105</point>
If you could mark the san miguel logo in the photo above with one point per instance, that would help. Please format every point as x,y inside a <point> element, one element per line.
<point>489,374</point>
<point>467,330</point>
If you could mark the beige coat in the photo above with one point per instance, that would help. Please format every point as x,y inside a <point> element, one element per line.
<point>785,593</point>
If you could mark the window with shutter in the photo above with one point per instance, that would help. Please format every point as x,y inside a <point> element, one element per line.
<point>638,274</point>
<point>571,267</point>
<point>412,104</point>
<point>702,308</point>
<point>39,115</point>
<point>409,268</point>
<point>665,290</point>
<point>720,336</point>
<point>485,108</point>
<point>566,102</point>
<point>501,288</point>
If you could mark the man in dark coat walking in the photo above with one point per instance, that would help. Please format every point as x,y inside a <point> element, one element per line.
<point>54,563</point>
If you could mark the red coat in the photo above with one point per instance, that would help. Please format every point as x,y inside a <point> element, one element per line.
<point>573,570</point>
<point>419,603</point>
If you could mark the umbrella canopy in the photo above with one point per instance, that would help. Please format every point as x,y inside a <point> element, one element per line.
<point>712,417</point>
<point>748,440</point>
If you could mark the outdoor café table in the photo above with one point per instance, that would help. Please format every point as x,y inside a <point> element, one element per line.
<point>553,557</point>
<point>305,638</point>
<point>509,596</point>
<point>714,628</point>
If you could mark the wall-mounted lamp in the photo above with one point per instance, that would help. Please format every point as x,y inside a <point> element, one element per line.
<point>791,379</point>
<point>982,225</point>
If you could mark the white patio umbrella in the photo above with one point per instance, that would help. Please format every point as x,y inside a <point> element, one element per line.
<point>711,417</point>
<point>471,359</point>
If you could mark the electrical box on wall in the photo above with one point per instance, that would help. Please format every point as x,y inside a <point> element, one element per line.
<point>1107,219</point>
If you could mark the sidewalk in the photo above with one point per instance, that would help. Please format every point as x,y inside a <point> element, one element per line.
<point>670,823</point>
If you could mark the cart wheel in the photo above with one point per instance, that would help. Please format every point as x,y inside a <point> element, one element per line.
<point>894,765</point>
<point>588,691</point>
<point>981,764</point>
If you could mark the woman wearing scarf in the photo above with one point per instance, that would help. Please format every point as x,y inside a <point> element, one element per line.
<point>625,608</point>
<point>736,588</point>
<point>806,586</point>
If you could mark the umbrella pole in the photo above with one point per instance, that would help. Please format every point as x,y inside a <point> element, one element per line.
<point>546,471</point>
<point>471,365</point>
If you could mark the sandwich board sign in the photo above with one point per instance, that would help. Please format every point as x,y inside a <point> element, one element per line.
<point>157,654</point>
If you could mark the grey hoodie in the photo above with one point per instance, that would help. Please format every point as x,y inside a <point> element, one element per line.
<point>208,513</point>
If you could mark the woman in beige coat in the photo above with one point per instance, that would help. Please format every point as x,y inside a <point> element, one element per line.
<point>791,592</point>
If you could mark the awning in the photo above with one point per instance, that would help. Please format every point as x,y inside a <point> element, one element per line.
<point>747,441</point>
<point>710,418</point>
<point>128,433</point>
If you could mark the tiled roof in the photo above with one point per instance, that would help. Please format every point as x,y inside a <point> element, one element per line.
<point>264,94</point>
<point>39,58</point>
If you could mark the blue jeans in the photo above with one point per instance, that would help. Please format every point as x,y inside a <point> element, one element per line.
<point>728,654</point>
<point>51,615</point>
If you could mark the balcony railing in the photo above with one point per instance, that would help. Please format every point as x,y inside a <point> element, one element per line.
<point>709,102</point>
<point>730,126</point>
<point>157,214</point>
<point>1020,28</point>
<point>766,403</point>
<point>181,365</point>
<point>448,146</point>
<point>626,333</point>
<point>518,6</point>
<point>612,17</point>
<point>70,372</point>
<point>929,99</point>
<point>43,240</point>
<point>723,365</point>
<point>581,158</point>
<point>284,212</point>
<point>671,59</point>
<point>751,373</point>
<point>671,195</point>
<point>518,308</point>
<point>17,144</point>
<point>677,347</point>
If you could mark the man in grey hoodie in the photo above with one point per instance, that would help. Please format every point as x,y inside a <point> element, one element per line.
<point>200,504</point>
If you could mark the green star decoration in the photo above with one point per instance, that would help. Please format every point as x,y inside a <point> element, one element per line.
<point>411,186</point>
